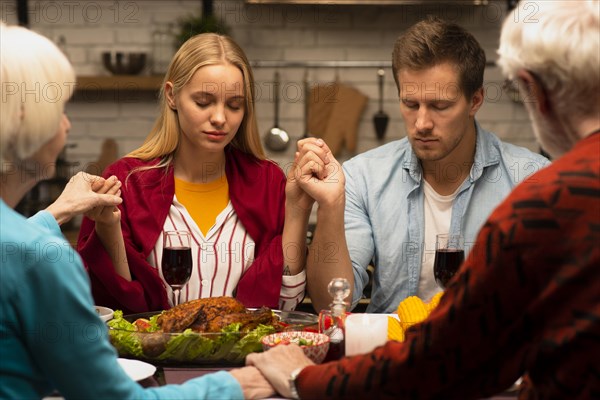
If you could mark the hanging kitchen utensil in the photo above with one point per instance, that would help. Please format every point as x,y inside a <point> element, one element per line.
<point>277,139</point>
<point>307,93</point>
<point>380,119</point>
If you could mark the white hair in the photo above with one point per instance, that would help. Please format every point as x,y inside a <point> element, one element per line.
<point>559,43</point>
<point>36,81</point>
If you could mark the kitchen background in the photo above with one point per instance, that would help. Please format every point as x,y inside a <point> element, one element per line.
<point>350,35</point>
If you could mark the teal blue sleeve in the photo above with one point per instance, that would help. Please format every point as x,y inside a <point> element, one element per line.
<point>69,342</point>
<point>45,220</point>
<point>219,385</point>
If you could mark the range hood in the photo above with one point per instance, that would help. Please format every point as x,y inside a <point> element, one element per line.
<point>372,2</point>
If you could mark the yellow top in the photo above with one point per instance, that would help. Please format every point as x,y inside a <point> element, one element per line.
<point>204,201</point>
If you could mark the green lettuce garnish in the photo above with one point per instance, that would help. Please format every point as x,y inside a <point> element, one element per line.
<point>123,336</point>
<point>189,346</point>
<point>251,343</point>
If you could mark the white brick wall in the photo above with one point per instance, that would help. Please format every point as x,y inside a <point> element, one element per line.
<point>266,32</point>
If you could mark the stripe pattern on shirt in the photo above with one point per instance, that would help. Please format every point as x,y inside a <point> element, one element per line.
<point>219,259</point>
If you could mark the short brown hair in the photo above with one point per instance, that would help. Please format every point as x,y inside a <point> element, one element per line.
<point>434,41</point>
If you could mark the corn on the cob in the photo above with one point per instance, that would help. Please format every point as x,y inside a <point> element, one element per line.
<point>412,310</point>
<point>395,331</point>
<point>435,300</point>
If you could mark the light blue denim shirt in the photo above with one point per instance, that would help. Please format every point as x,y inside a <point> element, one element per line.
<point>384,219</point>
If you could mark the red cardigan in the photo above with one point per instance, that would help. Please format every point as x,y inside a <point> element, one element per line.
<point>257,193</point>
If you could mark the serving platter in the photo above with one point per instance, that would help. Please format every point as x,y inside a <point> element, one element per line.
<point>193,348</point>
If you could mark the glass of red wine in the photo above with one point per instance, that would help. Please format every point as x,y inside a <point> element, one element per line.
<point>176,260</point>
<point>449,255</point>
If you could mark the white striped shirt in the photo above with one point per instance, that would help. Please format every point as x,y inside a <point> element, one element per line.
<point>220,258</point>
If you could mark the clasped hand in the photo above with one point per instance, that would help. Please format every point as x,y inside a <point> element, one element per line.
<point>315,175</point>
<point>86,194</point>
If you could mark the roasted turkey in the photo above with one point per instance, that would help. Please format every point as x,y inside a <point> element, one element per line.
<point>212,314</point>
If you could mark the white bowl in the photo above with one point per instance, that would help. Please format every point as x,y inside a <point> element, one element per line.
<point>316,351</point>
<point>104,313</point>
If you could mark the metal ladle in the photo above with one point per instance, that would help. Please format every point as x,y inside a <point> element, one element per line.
<point>276,138</point>
<point>380,119</point>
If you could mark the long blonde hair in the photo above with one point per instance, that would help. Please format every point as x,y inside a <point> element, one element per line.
<point>197,52</point>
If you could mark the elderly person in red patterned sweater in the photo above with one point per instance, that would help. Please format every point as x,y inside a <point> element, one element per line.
<point>524,302</point>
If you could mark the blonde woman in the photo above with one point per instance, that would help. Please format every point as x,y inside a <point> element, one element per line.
<point>202,169</point>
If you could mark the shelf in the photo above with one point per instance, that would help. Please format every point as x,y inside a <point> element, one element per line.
<point>369,2</point>
<point>119,82</point>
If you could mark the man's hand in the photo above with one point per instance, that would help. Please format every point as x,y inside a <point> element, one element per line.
<point>254,385</point>
<point>79,196</point>
<point>277,364</point>
<point>315,176</point>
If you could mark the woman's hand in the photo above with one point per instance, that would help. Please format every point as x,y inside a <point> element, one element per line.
<point>107,215</point>
<point>312,153</point>
<point>108,227</point>
<point>254,385</point>
<point>80,196</point>
<point>316,175</point>
<point>277,365</point>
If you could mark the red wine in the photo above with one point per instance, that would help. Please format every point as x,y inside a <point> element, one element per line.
<point>177,265</point>
<point>447,262</point>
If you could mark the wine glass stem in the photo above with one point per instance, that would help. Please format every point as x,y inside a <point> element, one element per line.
<point>176,300</point>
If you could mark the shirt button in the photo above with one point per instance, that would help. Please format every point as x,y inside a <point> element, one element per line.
<point>205,282</point>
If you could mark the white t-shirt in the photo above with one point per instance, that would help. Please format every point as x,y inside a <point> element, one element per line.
<point>437,211</point>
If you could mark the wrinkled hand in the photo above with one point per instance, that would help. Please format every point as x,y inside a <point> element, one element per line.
<point>107,215</point>
<point>277,364</point>
<point>254,385</point>
<point>78,196</point>
<point>315,176</point>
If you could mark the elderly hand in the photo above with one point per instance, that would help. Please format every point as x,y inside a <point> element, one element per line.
<point>254,385</point>
<point>79,196</point>
<point>277,364</point>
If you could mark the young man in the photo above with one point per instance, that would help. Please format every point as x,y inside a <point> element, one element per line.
<point>525,302</point>
<point>446,176</point>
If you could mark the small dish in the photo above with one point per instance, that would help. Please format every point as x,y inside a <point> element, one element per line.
<point>315,345</point>
<point>105,313</point>
<point>137,370</point>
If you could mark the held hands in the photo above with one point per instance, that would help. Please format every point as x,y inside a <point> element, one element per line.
<point>108,226</point>
<point>315,176</point>
<point>106,214</point>
<point>277,365</point>
<point>83,193</point>
<point>254,385</point>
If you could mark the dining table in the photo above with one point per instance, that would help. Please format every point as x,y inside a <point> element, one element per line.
<point>173,373</point>
<point>168,375</point>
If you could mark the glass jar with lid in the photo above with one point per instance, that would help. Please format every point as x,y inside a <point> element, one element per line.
<point>163,48</point>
